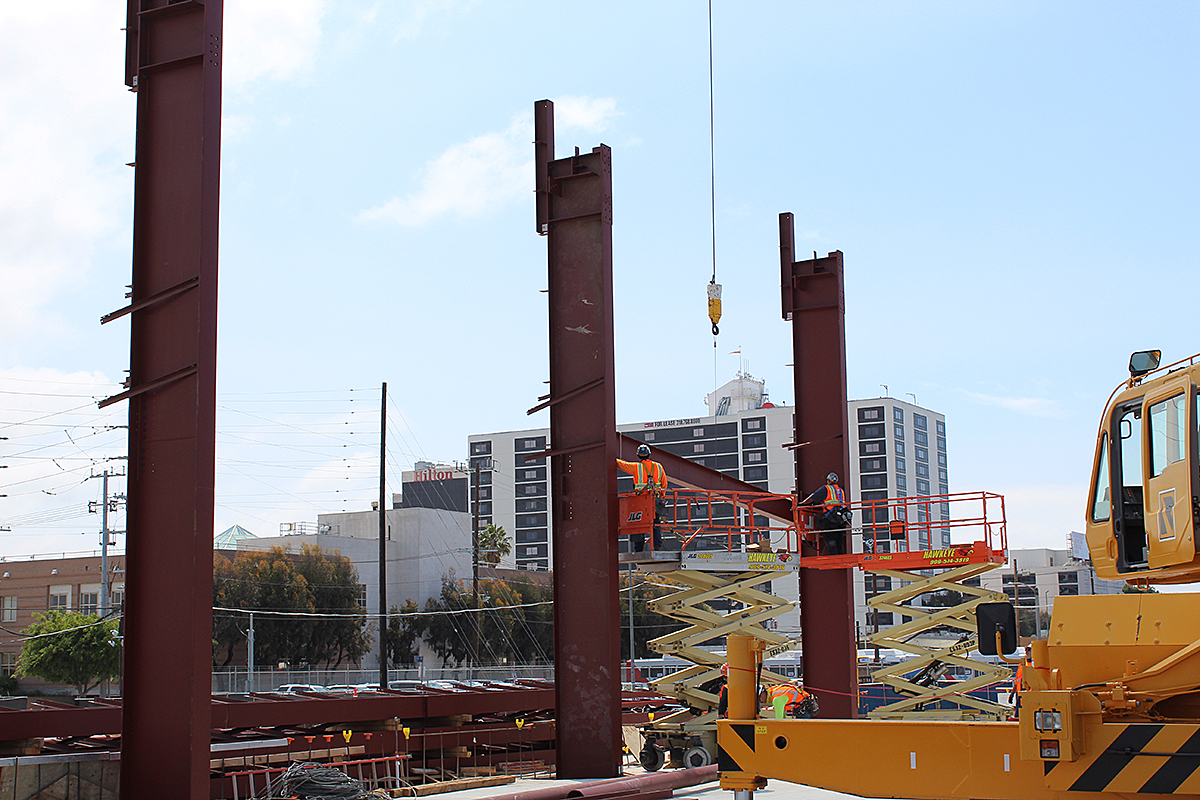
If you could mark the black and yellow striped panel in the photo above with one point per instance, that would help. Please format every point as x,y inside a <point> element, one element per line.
<point>1135,758</point>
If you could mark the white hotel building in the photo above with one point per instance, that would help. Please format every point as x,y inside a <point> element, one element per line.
<point>897,449</point>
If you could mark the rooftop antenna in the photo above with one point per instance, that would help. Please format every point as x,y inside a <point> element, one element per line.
<point>885,390</point>
<point>913,396</point>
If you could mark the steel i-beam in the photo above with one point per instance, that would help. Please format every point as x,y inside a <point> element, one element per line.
<point>173,62</point>
<point>814,302</point>
<point>574,212</point>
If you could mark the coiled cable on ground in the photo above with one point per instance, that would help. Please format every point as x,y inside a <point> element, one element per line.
<point>318,782</point>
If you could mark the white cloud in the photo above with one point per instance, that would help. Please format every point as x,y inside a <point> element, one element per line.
<point>275,39</point>
<point>68,130</point>
<point>488,170</point>
<point>1029,406</point>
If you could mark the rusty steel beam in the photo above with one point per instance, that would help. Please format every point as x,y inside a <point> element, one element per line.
<point>173,62</point>
<point>574,212</point>
<point>813,296</point>
<point>691,475</point>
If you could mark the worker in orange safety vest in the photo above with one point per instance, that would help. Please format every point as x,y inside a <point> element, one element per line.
<point>649,477</point>
<point>791,699</point>
<point>834,519</point>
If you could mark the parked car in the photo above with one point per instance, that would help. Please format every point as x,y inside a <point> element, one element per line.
<point>292,688</point>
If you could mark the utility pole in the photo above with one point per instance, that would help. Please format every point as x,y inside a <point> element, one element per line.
<point>250,656</point>
<point>105,506</point>
<point>475,564</point>
<point>383,620</point>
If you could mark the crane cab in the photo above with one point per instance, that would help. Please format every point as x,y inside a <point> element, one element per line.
<point>1144,502</point>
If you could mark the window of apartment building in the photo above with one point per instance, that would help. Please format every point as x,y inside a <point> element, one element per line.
<point>485,493</point>
<point>923,539</point>
<point>756,456</point>
<point>922,470</point>
<point>534,489</point>
<point>943,476</point>
<point>883,619</point>
<point>921,453</point>
<point>899,448</point>
<point>531,520</point>
<point>872,464</point>
<point>538,474</point>
<point>898,431</point>
<point>941,444</point>
<point>878,480</point>
<point>89,602</point>
<point>872,448</point>
<point>871,431</point>
<point>875,508</point>
<point>8,664</point>
<point>116,597</point>
<point>1068,577</point>
<point>754,473</point>
<point>648,436</point>
<point>484,463</point>
<point>941,459</point>
<point>901,465</point>
<point>8,608</point>
<point>755,424</point>
<point>532,535</point>
<point>481,448</point>
<point>944,509</point>
<point>485,478</point>
<point>922,487</point>
<point>941,427</point>
<point>362,597</point>
<point>750,440</point>
<point>920,422</point>
<point>898,414</point>
<point>697,432</point>
<point>527,443</point>
<point>60,598</point>
<point>698,447</point>
<point>921,438</point>
<point>534,504</point>
<point>901,482</point>
<point>871,414</point>
<point>944,488</point>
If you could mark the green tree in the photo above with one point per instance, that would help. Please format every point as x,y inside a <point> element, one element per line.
<point>334,589</point>
<point>446,631</point>
<point>310,582</point>
<point>405,629</point>
<point>1130,588</point>
<point>72,648</point>
<point>494,544</point>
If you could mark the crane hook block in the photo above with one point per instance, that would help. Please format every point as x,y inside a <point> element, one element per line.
<point>714,305</point>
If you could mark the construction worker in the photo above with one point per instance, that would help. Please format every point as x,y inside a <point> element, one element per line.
<point>791,699</point>
<point>649,477</point>
<point>834,519</point>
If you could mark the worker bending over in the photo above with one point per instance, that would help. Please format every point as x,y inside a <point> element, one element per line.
<point>649,477</point>
<point>791,699</point>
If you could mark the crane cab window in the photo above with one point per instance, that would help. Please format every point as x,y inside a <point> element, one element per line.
<point>1130,526</point>
<point>1167,434</point>
<point>1101,502</point>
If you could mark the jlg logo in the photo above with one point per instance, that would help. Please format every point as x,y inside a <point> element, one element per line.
<point>634,516</point>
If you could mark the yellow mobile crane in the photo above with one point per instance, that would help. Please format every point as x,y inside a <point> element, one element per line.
<point>1110,700</point>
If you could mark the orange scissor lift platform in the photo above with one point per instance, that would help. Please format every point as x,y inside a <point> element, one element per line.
<point>727,543</point>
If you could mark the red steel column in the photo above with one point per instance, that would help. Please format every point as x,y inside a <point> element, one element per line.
<point>174,64</point>
<point>814,301</point>
<point>574,212</point>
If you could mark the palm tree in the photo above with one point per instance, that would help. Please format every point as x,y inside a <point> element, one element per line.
<point>493,544</point>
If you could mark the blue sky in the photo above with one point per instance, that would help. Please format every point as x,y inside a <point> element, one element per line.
<point>1013,186</point>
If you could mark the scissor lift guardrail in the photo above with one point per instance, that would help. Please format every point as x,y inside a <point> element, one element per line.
<point>770,544</point>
